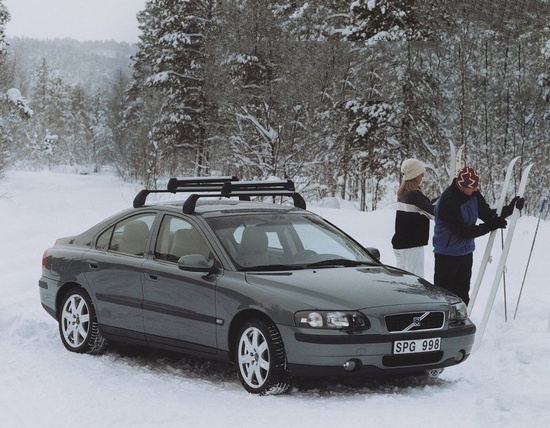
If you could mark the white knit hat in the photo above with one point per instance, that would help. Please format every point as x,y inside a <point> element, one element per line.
<point>411,168</point>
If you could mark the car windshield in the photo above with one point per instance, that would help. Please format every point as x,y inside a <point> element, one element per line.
<point>286,241</point>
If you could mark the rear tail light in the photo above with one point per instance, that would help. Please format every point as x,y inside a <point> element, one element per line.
<point>44,259</point>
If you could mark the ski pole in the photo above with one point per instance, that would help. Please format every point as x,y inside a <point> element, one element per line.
<point>530,253</point>
<point>504,280</point>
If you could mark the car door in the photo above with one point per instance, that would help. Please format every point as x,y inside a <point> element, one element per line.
<point>179,306</point>
<point>115,277</point>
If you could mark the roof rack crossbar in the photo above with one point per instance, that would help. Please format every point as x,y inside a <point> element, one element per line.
<point>191,202</point>
<point>225,186</point>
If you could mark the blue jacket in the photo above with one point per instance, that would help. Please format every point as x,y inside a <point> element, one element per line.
<point>456,215</point>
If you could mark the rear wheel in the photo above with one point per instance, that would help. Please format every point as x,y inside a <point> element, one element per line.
<point>260,358</point>
<point>78,325</point>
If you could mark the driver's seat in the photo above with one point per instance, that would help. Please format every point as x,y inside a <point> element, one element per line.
<point>253,248</point>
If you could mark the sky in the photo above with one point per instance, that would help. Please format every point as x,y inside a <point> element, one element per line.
<point>504,384</point>
<point>77,19</point>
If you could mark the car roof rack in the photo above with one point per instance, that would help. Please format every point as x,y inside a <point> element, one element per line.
<point>225,186</point>
<point>187,184</point>
<point>245,189</point>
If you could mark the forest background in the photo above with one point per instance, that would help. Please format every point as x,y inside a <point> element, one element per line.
<point>332,94</point>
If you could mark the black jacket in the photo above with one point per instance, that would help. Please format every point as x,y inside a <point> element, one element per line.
<point>412,220</point>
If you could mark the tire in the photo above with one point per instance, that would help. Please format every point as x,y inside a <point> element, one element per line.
<point>260,358</point>
<point>433,373</point>
<point>78,325</point>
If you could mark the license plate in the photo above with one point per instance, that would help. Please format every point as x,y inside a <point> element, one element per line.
<point>416,346</point>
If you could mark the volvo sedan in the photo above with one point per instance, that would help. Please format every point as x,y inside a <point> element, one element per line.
<point>270,287</point>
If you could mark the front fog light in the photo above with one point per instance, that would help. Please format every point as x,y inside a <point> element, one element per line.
<point>352,365</point>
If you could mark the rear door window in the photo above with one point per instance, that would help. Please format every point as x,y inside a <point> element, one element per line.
<point>128,236</point>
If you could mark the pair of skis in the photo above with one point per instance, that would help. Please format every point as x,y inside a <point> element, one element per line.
<point>487,255</point>
<point>505,250</point>
<point>456,159</point>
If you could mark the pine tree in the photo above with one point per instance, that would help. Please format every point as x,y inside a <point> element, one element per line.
<point>50,96</point>
<point>14,108</point>
<point>171,60</point>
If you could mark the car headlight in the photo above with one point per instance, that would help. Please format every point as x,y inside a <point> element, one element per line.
<point>342,320</point>
<point>458,312</point>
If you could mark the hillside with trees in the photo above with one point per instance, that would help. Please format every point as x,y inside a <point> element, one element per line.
<point>331,94</point>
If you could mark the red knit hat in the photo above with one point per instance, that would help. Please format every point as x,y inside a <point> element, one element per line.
<point>467,177</point>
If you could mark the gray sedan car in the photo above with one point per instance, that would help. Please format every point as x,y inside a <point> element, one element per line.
<point>273,288</point>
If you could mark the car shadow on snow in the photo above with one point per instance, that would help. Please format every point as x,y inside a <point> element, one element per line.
<point>345,386</point>
<point>191,367</point>
<point>173,363</point>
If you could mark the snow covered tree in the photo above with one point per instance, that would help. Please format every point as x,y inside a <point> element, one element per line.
<point>14,107</point>
<point>4,18</point>
<point>129,125</point>
<point>49,139</point>
<point>400,36</point>
<point>88,133</point>
<point>311,21</point>
<point>4,140</point>
<point>171,60</point>
<point>279,90</point>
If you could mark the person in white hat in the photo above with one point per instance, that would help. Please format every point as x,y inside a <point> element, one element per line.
<point>412,219</point>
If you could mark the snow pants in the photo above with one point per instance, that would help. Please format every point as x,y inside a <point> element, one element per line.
<point>411,260</point>
<point>453,273</point>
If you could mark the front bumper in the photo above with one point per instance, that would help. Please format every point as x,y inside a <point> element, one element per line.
<point>330,354</point>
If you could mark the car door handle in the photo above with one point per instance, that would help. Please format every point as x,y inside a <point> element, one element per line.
<point>92,264</point>
<point>151,277</point>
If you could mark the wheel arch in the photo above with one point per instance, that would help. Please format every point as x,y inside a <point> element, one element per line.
<point>63,291</point>
<point>238,321</point>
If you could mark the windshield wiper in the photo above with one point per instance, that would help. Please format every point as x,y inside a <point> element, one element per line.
<point>272,268</point>
<point>339,262</point>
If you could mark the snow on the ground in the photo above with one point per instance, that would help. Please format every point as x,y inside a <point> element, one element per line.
<point>504,384</point>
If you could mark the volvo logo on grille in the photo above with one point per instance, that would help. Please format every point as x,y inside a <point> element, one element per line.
<point>416,321</point>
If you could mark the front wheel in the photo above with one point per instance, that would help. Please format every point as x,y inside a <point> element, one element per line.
<point>78,325</point>
<point>260,357</point>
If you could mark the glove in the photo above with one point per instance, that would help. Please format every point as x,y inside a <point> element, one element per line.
<point>516,202</point>
<point>520,203</point>
<point>496,223</point>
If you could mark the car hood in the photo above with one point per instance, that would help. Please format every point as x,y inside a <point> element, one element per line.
<point>350,288</point>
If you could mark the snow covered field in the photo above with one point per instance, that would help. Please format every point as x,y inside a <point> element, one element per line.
<point>505,384</point>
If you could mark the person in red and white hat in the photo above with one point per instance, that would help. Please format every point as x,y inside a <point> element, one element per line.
<point>456,214</point>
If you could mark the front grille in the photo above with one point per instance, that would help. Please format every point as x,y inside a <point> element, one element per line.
<point>412,359</point>
<point>415,321</point>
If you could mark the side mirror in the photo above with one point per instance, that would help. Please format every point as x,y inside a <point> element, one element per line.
<point>374,252</point>
<point>198,263</point>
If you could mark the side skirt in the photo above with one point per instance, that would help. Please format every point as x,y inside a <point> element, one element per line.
<point>118,335</point>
